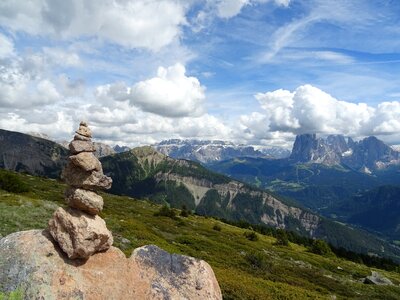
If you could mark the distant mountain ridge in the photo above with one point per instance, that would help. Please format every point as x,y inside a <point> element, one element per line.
<point>102,149</point>
<point>35,155</point>
<point>145,173</point>
<point>338,177</point>
<point>206,151</point>
<point>366,155</point>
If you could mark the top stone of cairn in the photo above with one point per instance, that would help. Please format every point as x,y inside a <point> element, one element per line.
<point>84,130</point>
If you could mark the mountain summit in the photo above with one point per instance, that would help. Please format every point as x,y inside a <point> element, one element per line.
<point>365,155</point>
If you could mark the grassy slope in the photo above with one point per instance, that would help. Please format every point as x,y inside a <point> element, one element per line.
<point>277,273</point>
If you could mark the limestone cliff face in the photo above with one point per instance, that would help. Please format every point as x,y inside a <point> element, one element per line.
<point>271,211</point>
<point>31,261</point>
<point>185,182</point>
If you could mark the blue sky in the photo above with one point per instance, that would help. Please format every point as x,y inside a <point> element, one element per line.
<point>250,71</point>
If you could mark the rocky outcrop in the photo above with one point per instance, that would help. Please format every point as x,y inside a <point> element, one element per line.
<point>309,148</point>
<point>103,149</point>
<point>378,279</point>
<point>372,154</point>
<point>78,230</point>
<point>276,213</point>
<point>33,263</point>
<point>365,155</point>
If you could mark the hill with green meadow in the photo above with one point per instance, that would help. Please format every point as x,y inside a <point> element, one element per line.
<point>246,267</point>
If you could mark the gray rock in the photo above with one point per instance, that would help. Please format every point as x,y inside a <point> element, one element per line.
<point>103,149</point>
<point>77,177</point>
<point>125,240</point>
<point>31,261</point>
<point>77,146</point>
<point>378,279</point>
<point>84,200</point>
<point>365,155</point>
<point>87,161</point>
<point>79,234</point>
<point>84,130</point>
<point>81,137</point>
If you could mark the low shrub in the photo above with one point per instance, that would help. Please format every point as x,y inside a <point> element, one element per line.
<point>258,260</point>
<point>185,212</point>
<point>165,211</point>
<point>216,227</point>
<point>281,238</point>
<point>251,236</point>
<point>320,247</point>
<point>12,183</point>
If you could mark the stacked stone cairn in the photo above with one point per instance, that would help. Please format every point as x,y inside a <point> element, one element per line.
<point>79,231</point>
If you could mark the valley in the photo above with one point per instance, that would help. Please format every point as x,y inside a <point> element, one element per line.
<point>245,269</point>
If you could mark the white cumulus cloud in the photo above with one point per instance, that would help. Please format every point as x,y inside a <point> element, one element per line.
<point>386,119</point>
<point>134,24</point>
<point>311,110</point>
<point>171,93</point>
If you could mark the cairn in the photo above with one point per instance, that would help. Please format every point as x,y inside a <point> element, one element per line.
<point>78,229</point>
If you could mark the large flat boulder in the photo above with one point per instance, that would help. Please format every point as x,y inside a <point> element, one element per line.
<point>32,261</point>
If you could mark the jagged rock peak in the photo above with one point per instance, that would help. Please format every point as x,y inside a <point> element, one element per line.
<point>303,147</point>
<point>369,153</point>
<point>309,148</point>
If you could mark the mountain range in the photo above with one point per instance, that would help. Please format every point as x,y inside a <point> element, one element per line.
<point>145,173</point>
<point>350,181</point>
<point>205,151</point>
